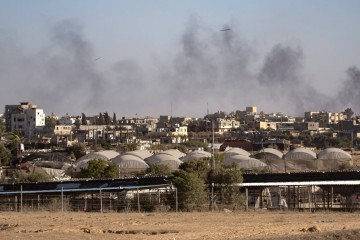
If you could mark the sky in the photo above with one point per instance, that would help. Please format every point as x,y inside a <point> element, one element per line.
<point>160,57</point>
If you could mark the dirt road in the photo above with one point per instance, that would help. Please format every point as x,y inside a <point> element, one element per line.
<point>218,225</point>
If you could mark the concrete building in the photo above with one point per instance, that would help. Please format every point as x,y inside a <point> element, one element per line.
<point>324,118</point>
<point>251,110</point>
<point>25,118</point>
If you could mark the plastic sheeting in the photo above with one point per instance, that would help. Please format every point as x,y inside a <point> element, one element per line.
<point>269,154</point>
<point>288,165</point>
<point>130,162</point>
<point>242,161</point>
<point>165,159</point>
<point>197,154</point>
<point>300,154</point>
<point>106,155</point>
<point>334,153</point>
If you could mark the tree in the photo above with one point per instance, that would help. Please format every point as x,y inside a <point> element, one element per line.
<point>349,113</point>
<point>107,119</point>
<point>200,167</point>
<point>77,123</point>
<point>126,147</point>
<point>191,188</point>
<point>99,168</point>
<point>13,142</point>
<point>83,119</point>
<point>31,177</point>
<point>78,149</point>
<point>100,120</point>
<point>5,155</point>
<point>50,122</point>
<point>2,125</point>
<point>159,169</point>
<point>114,119</point>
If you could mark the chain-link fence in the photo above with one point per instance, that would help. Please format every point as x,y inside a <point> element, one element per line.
<point>136,200</point>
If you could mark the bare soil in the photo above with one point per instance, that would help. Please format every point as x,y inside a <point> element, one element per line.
<point>206,225</point>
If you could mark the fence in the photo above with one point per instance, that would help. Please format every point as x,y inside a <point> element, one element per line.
<point>162,199</point>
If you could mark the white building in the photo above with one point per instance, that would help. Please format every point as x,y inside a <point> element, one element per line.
<point>25,118</point>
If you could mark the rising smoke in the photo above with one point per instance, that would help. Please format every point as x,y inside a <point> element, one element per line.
<point>209,66</point>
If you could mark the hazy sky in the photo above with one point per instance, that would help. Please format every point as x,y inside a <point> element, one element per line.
<point>154,58</point>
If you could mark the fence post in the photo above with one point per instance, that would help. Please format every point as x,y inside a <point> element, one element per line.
<point>16,203</point>
<point>176,200</point>
<point>21,198</point>
<point>101,202</point>
<point>138,200</point>
<point>246,199</point>
<point>38,200</point>
<point>62,199</point>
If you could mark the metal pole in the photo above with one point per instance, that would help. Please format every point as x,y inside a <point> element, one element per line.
<point>110,207</point>
<point>38,198</point>
<point>213,143</point>
<point>310,202</point>
<point>332,196</point>
<point>62,199</point>
<point>213,164</point>
<point>119,170</point>
<point>138,199</point>
<point>246,199</point>
<point>101,202</point>
<point>176,200</point>
<point>212,197</point>
<point>16,203</point>
<point>21,198</point>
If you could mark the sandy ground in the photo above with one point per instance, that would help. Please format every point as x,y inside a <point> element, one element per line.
<point>217,225</point>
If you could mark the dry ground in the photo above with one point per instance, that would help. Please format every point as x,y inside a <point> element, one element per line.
<point>217,225</point>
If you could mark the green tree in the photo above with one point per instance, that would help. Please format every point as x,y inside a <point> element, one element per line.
<point>83,119</point>
<point>107,119</point>
<point>100,120</point>
<point>159,169</point>
<point>126,147</point>
<point>2,125</point>
<point>31,177</point>
<point>191,189</point>
<point>99,168</point>
<point>13,141</point>
<point>77,123</point>
<point>114,121</point>
<point>5,155</point>
<point>349,113</point>
<point>50,122</point>
<point>78,149</point>
<point>200,167</point>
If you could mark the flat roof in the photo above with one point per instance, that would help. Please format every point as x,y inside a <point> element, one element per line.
<point>300,183</point>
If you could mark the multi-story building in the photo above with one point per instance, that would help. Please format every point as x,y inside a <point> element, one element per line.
<point>324,118</point>
<point>25,118</point>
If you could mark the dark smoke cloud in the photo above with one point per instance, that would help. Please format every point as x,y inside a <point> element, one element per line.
<point>283,66</point>
<point>349,94</point>
<point>70,74</point>
<point>209,66</point>
<point>282,73</point>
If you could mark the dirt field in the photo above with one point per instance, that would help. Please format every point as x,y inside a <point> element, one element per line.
<point>218,225</point>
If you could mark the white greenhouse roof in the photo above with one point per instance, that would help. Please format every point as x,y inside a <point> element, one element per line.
<point>334,153</point>
<point>300,154</point>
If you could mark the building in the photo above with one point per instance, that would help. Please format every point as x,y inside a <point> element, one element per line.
<point>25,118</point>
<point>324,118</point>
<point>251,110</point>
